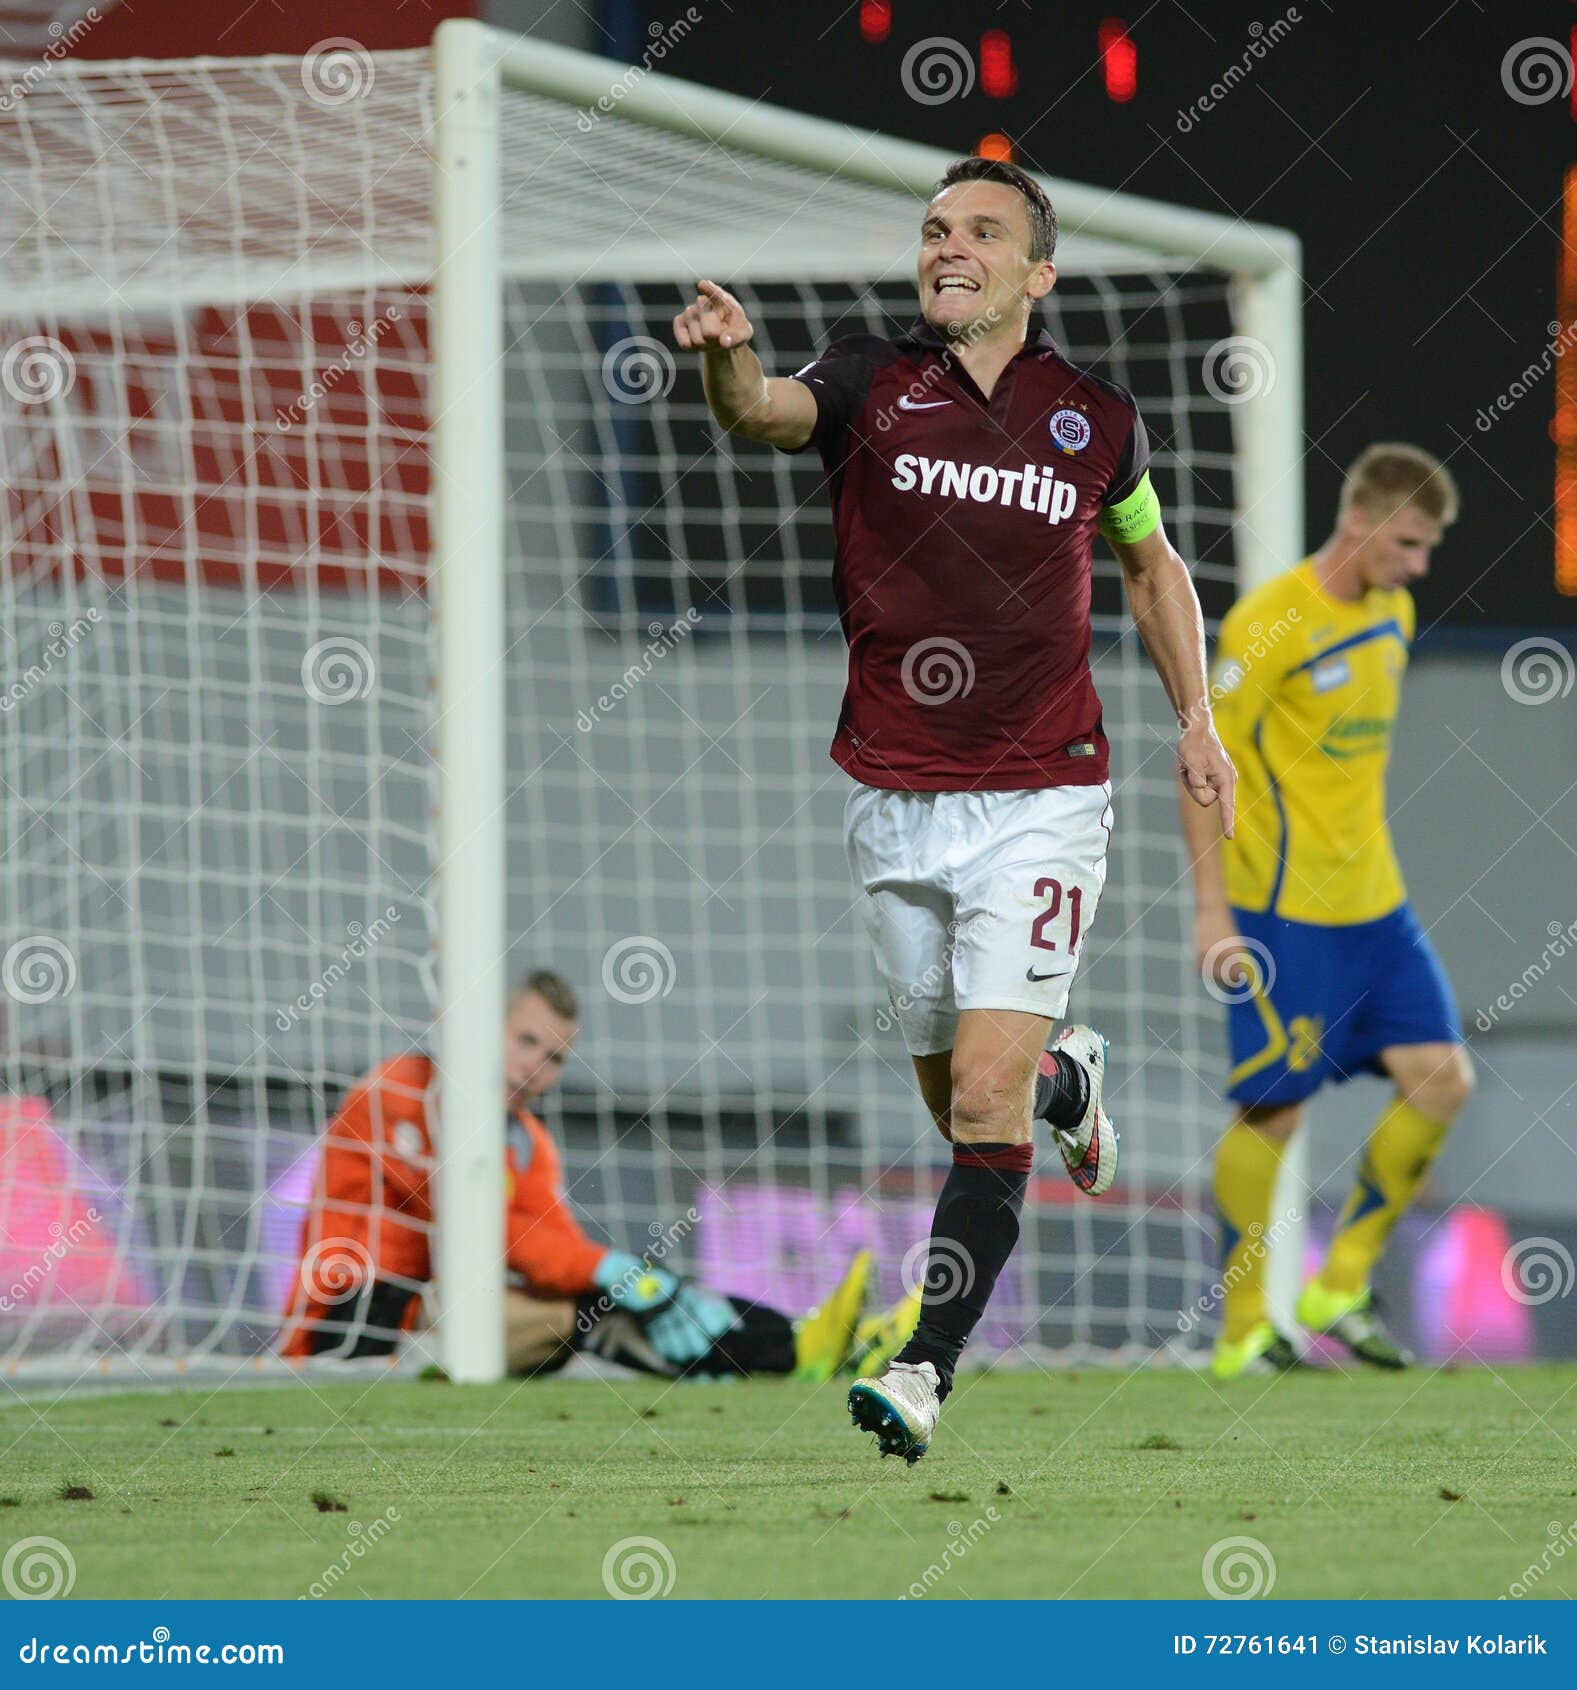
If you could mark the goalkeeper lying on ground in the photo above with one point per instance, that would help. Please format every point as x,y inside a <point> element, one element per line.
<point>365,1244</point>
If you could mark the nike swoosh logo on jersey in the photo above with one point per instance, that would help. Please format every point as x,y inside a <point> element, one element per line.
<point>907,404</point>
<point>1030,974</point>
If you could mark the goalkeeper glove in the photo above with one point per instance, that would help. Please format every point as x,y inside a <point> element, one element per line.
<point>684,1331</point>
<point>629,1283</point>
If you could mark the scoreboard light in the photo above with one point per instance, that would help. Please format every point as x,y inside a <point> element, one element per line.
<point>995,145</point>
<point>876,20</point>
<point>1119,60</point>
<point>998,73</point>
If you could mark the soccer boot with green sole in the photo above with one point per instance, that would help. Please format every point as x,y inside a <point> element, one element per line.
<point>901,1408</point>
<point>1352,1318</point>
<point>1262,1350</point>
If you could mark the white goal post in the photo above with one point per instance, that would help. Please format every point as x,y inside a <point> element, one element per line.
<point>386,615</point>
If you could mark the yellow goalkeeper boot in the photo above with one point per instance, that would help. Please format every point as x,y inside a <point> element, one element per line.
<point>1261,1350</point>
<point>879,1339</point>
<point>1352,1319</point>
<point>824,1337</point>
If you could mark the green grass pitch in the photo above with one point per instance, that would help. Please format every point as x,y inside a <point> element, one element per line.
<point>1058,1484</point>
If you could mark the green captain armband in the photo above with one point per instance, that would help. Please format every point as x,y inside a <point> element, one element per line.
<point>1134,518</point>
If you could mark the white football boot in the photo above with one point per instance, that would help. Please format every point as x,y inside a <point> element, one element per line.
<point>901,1408</point>
<point>1090,1148</point>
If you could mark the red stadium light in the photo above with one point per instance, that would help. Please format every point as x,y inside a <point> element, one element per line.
<point>995,145</point>
<point>876,20</point>
<point>998,74</point>
<point>1119,60</point>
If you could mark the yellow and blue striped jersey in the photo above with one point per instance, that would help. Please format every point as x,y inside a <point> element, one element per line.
<point>1306,689</point>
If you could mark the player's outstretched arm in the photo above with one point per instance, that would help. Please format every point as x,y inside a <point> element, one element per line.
<point>744,399</point>
<point>1166,612</point>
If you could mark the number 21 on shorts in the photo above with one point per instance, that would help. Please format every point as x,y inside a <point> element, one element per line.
<point>1047,924</point>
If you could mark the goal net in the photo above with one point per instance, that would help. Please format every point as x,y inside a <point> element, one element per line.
<point>221,748</point>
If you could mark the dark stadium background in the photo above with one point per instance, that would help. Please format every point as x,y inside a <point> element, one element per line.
<point>1427,199</point>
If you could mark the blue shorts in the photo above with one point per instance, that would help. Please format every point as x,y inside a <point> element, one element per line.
<point>1328,1000</point>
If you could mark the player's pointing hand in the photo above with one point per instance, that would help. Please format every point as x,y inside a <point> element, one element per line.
<point>716,319</point>
<point>1207,772</point>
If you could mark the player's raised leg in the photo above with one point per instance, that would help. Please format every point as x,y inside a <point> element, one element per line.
<point>1433,1081</point>
<point>976,1226</point>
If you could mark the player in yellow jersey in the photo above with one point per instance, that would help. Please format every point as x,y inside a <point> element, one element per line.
<point>1302,918</point>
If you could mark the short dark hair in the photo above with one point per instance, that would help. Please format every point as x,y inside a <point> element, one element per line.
<point>1042,217</point>
<point>554,990</point>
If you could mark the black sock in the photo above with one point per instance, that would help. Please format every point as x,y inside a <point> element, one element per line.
<point>1062,1097</point>
<point>972,1236</point>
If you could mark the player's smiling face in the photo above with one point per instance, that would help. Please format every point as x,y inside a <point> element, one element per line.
<point>537,1044</point>
<point>976,274</point>
<point>1394,552</point>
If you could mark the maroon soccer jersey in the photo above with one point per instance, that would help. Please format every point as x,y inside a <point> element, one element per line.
<point>964,529</point>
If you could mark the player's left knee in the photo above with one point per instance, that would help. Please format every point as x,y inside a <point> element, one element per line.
<point>1440,1083</point>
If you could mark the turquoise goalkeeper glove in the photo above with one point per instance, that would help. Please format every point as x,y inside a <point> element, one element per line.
<point>683,1332</point>
<point>629,1283</point>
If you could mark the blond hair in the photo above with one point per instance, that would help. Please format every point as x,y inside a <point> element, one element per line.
<point>554,990</point>
<point>1390,476</point>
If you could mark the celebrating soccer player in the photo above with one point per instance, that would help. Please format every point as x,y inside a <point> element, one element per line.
<point>1302,917</point>
<point>365,1243</point>
<point>970,466</point>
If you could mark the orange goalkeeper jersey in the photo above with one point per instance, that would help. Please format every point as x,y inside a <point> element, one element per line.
<point>371,1214</point>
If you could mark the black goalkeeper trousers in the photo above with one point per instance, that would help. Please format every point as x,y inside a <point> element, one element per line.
<point>368,1324</point>
<point>761,1342</point>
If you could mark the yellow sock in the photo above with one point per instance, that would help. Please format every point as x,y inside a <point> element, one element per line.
<point>1392,1167</point>
<point>1247,1161</point>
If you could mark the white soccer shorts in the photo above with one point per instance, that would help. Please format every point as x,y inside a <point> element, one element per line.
<point>976,900</point>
